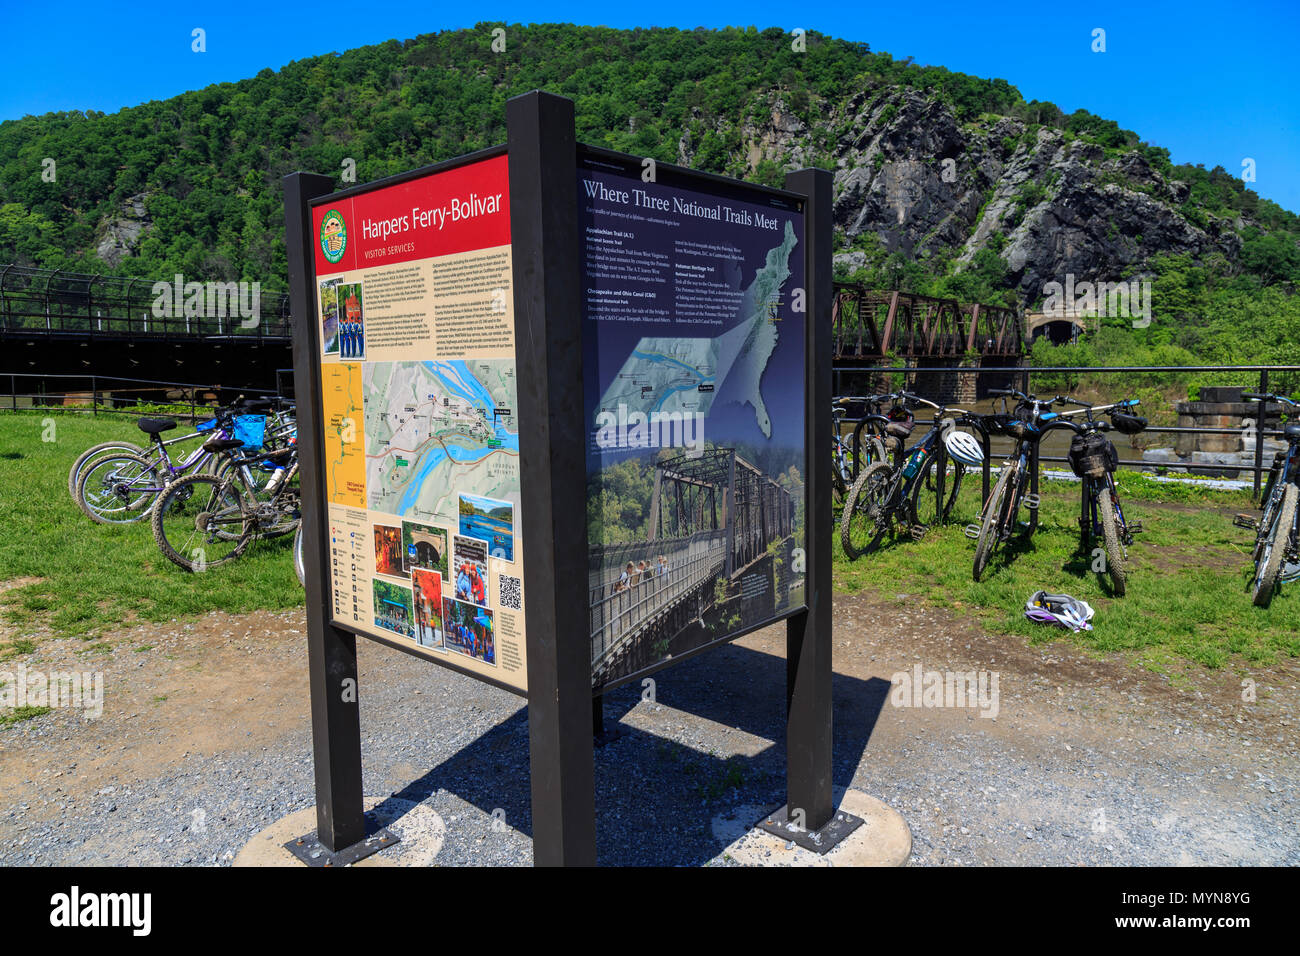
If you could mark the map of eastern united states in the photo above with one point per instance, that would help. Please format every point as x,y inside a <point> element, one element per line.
<point>664,374</point>
<point>435,430</point>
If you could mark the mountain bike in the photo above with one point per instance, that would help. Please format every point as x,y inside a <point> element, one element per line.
<point>914,489</point>
<point>122,487</point>
<point>280,409</point>
<point>1277,534</point>
<point>999,516</point>
<point>1093,459</point>
<point>844,464</point>
<point>202,521</point>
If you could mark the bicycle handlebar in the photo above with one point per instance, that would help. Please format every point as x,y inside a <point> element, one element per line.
<point>1263,397</point>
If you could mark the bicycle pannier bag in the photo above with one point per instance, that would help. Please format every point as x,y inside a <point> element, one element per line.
<point>901,423</point>
<point>251,430</point>
<point>1092,455</point>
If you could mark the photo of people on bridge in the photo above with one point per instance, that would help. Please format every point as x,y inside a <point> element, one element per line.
<point>717,555</point>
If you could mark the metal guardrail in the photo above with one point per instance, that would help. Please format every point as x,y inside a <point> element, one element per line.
<point>1025,373</point>
<point>99,393</point>
<point>619,616</point>
<point>55,302</point>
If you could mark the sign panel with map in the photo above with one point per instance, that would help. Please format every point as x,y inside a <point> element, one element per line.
<point>694,359</point>
<point>420,416</point>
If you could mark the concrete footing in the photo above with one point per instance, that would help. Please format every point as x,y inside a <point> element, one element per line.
<point>884,838</point>
<point>420,829</point>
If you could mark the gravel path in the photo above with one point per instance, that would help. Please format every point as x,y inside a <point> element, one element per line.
<point>205,741</point>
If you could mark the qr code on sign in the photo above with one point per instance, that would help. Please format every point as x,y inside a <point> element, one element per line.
<point>511,598</point>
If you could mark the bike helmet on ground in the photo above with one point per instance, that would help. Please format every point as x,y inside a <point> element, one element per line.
<point>963,447</point>
<point>1059,609</point>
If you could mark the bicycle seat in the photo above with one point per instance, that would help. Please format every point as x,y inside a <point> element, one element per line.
<point>154,426</point>
<point>222,444</point>
<point>1292,431</point>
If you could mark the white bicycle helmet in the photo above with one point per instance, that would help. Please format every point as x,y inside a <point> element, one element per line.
<point>964,447</point>
<point>1059,609</point>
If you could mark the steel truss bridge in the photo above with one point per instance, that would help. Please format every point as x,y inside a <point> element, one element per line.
<point>712,518</point>
<point>870,326</point>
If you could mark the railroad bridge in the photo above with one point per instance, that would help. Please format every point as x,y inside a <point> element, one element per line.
<point>712,519</point>
<point>58,322</point>
<point>870,328</point>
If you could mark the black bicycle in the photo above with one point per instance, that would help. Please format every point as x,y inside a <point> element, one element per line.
<point>1093,459</point>
<point>915,489</point>
<point>1277,548</point>
<point>845,465</point>
<point>999,516</point>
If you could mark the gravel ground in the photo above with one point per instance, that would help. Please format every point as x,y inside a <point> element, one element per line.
<point>205,740</point>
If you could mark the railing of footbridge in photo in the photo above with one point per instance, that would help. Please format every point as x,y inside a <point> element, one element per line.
<point>868,324</point>
<point>712,517</point>
<point>55,303</point>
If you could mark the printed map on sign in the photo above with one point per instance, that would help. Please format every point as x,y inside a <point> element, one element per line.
<point>437,430</point>
<point>345,466</point>
<point>683,375</point>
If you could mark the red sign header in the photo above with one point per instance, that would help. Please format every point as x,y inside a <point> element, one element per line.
<point>457,210</point>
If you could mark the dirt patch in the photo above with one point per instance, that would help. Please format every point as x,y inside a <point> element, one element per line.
<point>214,713</point>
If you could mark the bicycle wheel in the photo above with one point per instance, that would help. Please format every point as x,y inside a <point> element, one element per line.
<point>103,448</point>
<point>1269,562</point>
<point>282,519</point>
<point>199,523</point>
<point>840,472</point>
<point>1115,554</point>
<point>119,489</point>
<point>299,566</point>
<point>1267,507</point>
<point>927,508</point>
<point>991,521</point>
<point>867,518</point>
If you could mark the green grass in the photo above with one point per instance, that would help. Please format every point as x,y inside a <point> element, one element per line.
<point>90,578</point>
<point>21,713</point>
<point>1186,599</point>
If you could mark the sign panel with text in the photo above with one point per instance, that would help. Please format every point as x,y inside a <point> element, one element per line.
<point>694,352</point>
<point>421,416</point>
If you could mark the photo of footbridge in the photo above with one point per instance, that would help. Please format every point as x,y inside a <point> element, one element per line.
<point>713,519</point>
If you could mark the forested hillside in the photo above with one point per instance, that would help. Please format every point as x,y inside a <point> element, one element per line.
<point>945,183</point>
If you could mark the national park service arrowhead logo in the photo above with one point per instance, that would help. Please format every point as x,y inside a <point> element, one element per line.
<point>333,235</point>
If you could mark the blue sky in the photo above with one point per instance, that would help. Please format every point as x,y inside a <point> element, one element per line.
<point>1213,83</point>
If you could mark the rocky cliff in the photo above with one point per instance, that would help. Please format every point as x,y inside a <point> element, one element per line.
<point>911,179</point>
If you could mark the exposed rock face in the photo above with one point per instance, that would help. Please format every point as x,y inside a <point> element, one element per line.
<point>909,173</point>
<point>122,233</point>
